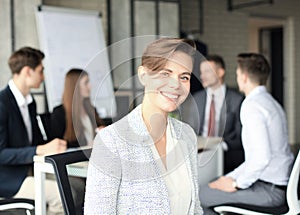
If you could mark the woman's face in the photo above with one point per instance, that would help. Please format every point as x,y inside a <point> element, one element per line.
<point>85,87</point>
<point>169,87</point>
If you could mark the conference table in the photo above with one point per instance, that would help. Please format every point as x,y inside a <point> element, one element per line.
<point>210,166</point>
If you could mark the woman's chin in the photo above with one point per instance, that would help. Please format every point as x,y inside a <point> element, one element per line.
<point>170,108</point>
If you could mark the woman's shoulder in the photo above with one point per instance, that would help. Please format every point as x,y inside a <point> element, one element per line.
<point>58,112</point>
<point>111,133</point>
<point>59,108</point>
<point>119,130</point>
<point>106,131</point>
<point>106,137</point>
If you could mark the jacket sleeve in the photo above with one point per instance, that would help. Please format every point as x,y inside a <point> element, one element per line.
<point>104,176</point>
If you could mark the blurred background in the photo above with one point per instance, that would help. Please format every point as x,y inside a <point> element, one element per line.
<point>224,27</point>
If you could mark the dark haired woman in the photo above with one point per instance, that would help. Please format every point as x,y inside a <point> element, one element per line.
<point>76,119</point>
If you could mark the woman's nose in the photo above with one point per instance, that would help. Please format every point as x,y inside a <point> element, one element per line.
<point>174,82</point>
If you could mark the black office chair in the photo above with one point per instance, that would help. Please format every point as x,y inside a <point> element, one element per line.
<point>60,162</point>
<point>291,208</point>
<point>16,206</point>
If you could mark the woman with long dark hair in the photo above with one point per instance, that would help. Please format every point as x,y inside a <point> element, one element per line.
<point>76,119</point>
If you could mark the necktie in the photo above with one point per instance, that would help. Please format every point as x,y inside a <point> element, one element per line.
<point>212,118</point>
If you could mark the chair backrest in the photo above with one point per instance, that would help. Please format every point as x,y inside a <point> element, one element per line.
<point>292,195</point>
<point>60,162</point>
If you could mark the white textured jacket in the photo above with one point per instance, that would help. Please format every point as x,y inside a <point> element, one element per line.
<point>123,176</point>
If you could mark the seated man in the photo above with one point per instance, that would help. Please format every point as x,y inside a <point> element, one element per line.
<point>225,121</point>
<point>262,179</point>
<point>20,137</point>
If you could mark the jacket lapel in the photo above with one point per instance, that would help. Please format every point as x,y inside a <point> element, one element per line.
<point>187,145</point>
<point>15,108</point>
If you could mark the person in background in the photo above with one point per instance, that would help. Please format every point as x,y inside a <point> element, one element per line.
<point>20,136</point>
<point>225,103</point>
<point>262,179</point>
<point>146,163</point>
<point>76,120</point>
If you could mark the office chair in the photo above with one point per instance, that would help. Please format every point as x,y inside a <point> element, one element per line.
<point>17,206</point>
<point>292,207</point>
<point>60,162</point>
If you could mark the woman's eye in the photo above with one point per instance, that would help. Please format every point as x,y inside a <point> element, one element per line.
<point>185,78</point>
<point>164,74</point>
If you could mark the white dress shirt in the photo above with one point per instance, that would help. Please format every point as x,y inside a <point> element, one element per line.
<point>176,175</point>
<point>87,129</point>
<point>265,141</point>
<point>23,103</point>
<point>219,96</point>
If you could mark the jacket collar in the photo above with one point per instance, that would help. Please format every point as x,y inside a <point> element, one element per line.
<point>137,124</point>
<point>21,100</point>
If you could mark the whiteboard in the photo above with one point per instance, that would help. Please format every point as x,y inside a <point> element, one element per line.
<point>74,39</point>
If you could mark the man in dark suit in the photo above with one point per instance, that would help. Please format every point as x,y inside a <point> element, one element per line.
<point>20,137</point>
<point>197,111</point>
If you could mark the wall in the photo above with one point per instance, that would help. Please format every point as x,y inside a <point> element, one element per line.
<point>227,33</point>
<point>5,41</point>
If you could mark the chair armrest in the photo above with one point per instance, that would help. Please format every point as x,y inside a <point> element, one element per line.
<point>6,204</point>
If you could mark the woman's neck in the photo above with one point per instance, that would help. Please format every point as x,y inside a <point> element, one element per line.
<point>155,120</point>
<point>156,123</point>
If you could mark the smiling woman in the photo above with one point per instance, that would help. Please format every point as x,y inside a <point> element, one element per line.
<point>169,87</point>
<point>146,163</point>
